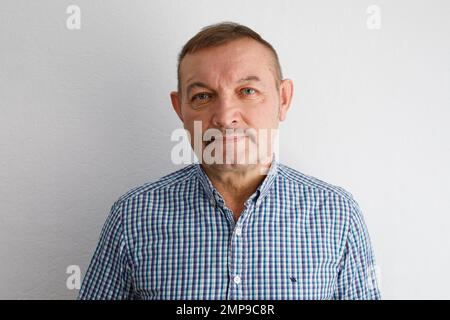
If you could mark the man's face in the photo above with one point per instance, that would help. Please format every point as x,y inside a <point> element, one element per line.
<point>232,88</point>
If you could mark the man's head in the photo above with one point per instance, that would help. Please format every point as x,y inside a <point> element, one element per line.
<point>222,33</point>
<point>229,78</point>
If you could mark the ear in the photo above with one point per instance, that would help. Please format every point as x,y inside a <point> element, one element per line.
<point>286,91</point>
<point>176,103</point>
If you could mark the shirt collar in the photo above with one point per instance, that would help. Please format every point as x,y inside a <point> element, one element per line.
<point>263,189</point>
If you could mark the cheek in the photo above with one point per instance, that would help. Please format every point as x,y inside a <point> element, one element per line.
<point>191,118</point>
<point>264,115</point>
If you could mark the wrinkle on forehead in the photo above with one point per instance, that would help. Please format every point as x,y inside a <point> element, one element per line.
<point>226,64</point>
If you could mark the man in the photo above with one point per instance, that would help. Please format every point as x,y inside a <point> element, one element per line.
<point>246,228</point>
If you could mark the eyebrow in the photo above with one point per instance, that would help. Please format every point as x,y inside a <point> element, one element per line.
<point>199,84</point>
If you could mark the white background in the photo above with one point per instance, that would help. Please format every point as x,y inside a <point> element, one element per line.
<point>85,116</point>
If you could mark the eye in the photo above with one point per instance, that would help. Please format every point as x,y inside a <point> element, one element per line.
<point>248,91</point>
<point>201,97</point>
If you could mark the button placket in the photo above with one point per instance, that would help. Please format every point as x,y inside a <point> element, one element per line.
<point>236,261</point>
<point>237,242</point>
<point>235,272</point>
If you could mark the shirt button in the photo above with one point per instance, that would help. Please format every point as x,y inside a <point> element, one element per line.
<point>212,201</point>
<point>238,231</point>
<point>237,279</point>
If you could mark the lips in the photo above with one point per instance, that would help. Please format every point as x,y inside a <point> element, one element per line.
<point>228,138</point>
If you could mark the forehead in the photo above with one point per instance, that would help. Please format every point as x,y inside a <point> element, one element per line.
<point>230,61</point>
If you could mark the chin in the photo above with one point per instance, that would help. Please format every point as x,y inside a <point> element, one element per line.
<point>233,167</point>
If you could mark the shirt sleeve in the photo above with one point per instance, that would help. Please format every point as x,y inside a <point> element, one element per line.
<point>357,278</point>
<point>109,273</point>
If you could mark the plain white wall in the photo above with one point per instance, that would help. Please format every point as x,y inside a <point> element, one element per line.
<point>85,116</point>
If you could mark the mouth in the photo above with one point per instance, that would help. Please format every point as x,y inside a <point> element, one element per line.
<point>230,138</point>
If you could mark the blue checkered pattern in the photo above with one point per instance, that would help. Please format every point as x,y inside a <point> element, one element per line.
<point>297,238</point>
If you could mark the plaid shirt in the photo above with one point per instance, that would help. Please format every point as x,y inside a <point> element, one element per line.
<point>297,238</point>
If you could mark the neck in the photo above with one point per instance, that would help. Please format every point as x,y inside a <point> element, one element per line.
<point>236,184</point>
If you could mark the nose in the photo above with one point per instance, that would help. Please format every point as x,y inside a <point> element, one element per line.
<point>226,113</point>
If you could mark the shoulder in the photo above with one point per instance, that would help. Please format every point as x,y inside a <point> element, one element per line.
<point>315,188</point>
<point>329,201</point>
<point>315,184</point>
<point>176,178</point>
